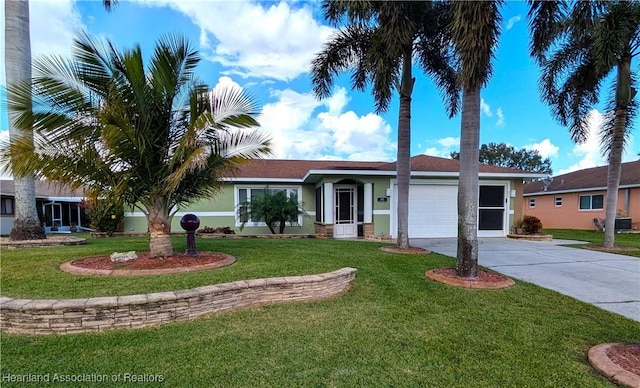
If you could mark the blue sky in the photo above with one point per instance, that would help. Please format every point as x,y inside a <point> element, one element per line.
<point>265,47</point>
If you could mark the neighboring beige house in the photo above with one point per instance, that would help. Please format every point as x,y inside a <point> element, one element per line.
<point>56,206</point>
<point>574,200</point>
<point>350,199</point>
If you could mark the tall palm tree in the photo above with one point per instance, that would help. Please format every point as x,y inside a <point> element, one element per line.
<point>26,225</point>
<point>378,44</point>
<point>475,30</point>
<point>152,137</point>
<point>579,45</point>
<point>17,46</point>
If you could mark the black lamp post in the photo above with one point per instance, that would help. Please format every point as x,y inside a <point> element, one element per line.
<point>190,223</point>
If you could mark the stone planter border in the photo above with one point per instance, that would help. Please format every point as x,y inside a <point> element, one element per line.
<point>602,363</point>
<point>531,237</point>
<point>69,316</point>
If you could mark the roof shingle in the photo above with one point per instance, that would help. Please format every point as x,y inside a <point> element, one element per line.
<point>590,178</point>
<point>297,169</point>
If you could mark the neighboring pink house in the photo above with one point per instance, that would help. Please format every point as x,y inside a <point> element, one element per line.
<point>573,200</point>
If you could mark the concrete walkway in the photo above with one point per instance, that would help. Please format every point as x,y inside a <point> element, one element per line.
<point>606,280</point>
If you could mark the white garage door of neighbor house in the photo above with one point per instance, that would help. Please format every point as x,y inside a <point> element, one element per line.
<point>433,211</point>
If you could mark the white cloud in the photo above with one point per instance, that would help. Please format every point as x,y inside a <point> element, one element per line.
<point>273,40</point>
<point>302,127</point>
<point>53,25</point>
<point>589,151</point>
<point>443,146</point>
<point>545,148</point>
<point>449,142</point>
<point>485,108</point>
<point>500,122</point>
<point>512,21</point>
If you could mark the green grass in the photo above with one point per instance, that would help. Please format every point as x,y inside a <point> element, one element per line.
<point>629,240</point>
<point>393,328</point>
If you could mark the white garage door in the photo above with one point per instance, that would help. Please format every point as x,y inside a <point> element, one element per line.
<point>433,211</point>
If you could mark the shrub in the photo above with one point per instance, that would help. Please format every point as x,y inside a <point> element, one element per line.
<point>105,216</point>
<point>531,224</point>
<point>218,230</point>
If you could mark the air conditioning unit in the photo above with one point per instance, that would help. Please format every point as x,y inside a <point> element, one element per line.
<point>622,223</point>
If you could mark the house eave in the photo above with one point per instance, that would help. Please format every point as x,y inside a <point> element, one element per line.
<point>313,176</point>
<point>583,190</point>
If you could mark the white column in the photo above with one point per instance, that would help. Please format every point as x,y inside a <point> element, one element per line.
<point>328,203</point>
<point>368,203</point>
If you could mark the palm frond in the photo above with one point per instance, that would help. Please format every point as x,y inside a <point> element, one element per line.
<point>618,121</point>
<point>547,24</point>
<point>475,30</point>
<point>344,50</point>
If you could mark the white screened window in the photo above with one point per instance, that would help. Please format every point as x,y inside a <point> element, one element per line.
<point>558,201</point>
<point>532,202</point>
<point>246,194</point>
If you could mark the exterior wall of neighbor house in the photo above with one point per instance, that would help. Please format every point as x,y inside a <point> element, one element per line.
<point>569,215</point>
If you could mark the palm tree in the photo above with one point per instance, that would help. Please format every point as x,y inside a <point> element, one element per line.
<point>475,30</point>
<point>26,224</point>
<point>17,46</point>
<point>378,45</point>
<point>154,138</point>
<point>578,47</point>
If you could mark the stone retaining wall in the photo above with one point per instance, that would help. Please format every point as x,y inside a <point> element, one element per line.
<point>51,316</point>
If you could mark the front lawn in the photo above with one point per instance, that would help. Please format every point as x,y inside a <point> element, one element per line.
<point>628,240</point>
<point>393,328</point>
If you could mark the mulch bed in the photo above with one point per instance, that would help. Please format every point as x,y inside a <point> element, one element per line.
<point>144,262</point>
<point>410,250</point>
<point>627,356</point>
<point>483,276</point>
<point>484,280</point>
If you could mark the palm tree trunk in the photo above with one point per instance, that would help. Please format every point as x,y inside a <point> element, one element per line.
<point>614,170</point>
<point>403,164</point>
<point>17,47</point>
<point>467,255</point>
<point>159,224</point>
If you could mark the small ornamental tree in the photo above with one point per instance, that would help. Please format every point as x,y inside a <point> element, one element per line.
<point>274,207</point>
<point>138,129</point>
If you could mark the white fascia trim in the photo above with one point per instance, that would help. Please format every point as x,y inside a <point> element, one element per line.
<point>577,190</point>
<point>283,181</point>
<point>63,199</point>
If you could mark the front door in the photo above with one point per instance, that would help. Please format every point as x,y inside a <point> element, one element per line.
<point>346,223</point>
<point>491,211</point>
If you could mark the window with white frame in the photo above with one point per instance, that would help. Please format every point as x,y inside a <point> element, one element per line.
<point>245,194</point>
<point>558,201</point>
<point>532,202</point>
<point>592,202</point>
<point>6,205</point>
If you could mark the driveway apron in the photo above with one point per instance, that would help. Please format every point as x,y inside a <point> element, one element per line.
<point>606,280</point>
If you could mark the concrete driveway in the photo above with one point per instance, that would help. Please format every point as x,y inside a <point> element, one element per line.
<point>606,280</point>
